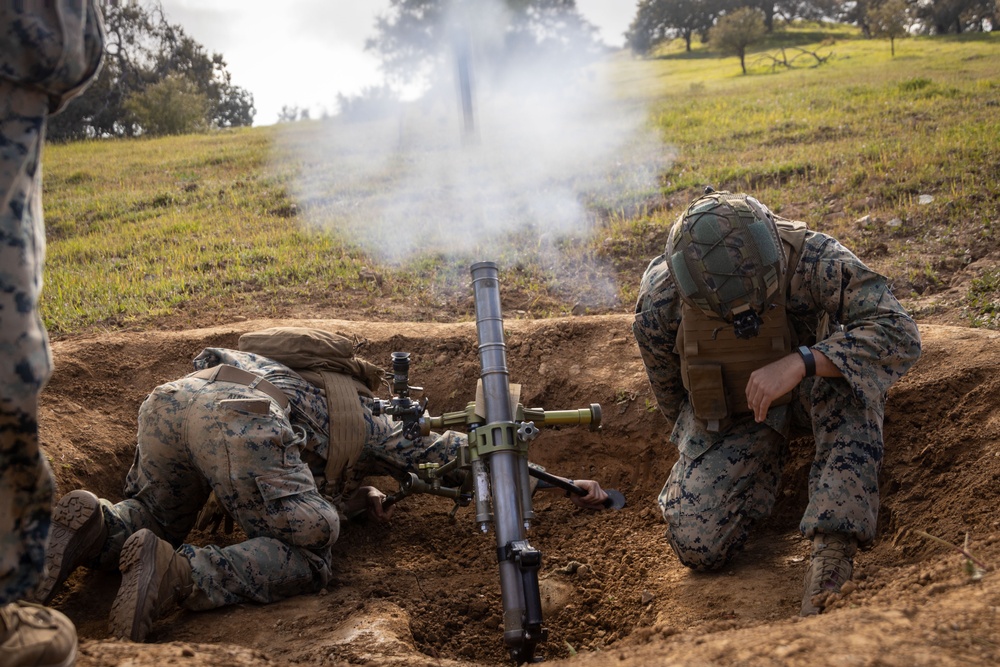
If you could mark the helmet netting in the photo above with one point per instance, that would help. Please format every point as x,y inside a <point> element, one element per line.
<point>725,255</point>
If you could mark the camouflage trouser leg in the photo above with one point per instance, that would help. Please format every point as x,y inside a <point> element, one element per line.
<point>719,487</point>
<point>196,437</point>
<point>843,479</point>
<point>26,489</point>
<point>262,569</point>
<point>26,484</point>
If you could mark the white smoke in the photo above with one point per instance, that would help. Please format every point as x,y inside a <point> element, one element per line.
<point>546,139</point>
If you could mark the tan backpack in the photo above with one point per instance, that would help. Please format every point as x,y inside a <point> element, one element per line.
<point>326,360</point>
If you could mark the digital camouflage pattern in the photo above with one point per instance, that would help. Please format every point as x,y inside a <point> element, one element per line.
<point>49,52</point>
<point>723,482</point>
<point>263,464</point>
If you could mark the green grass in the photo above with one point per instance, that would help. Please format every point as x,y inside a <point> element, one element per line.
<point>863,135</point>
<point>983,300</point>
<point>145,231</point>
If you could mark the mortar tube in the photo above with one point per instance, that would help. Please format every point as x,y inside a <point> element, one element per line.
<point>503,465</point>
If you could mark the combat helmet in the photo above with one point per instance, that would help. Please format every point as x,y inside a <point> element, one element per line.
<point>726,259</point>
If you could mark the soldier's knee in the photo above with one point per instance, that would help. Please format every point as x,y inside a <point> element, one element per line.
<point>697,552</point>
<point>705,541</point>
<point>313,523</point>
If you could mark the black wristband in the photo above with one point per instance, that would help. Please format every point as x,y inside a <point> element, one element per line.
<point>808,359</point>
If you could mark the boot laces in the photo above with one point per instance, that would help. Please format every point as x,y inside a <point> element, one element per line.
<point>832,564</point>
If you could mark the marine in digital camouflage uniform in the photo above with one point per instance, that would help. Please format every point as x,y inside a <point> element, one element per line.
<point>860,341</point>
<point>265,462</point>
<point>49,52</point>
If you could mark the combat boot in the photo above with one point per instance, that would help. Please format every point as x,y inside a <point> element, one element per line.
<point>830,567</point>
<point>35,636</point>
<point>154,579</point>
<point>78,533</point>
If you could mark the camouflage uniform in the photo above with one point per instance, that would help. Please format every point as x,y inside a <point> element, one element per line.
<point>265,465</point>
<point>723,482</point>
<point>49,52</point>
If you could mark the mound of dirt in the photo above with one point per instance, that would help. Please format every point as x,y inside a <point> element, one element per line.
<point>424,589</point>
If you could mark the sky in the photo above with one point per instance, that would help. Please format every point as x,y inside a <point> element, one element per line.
<point>306,52</point>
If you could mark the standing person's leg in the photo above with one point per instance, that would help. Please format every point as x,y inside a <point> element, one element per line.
<point>719,487</point>
<point>28,634</point>
<point>26,484</point>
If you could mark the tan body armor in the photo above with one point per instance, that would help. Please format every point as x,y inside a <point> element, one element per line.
<point>716,365</point>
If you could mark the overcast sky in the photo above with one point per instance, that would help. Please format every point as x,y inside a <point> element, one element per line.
<point>303,52</point>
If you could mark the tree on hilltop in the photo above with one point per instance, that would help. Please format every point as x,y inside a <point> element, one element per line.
<point>659,20</point>
<point>735,32</point>
<point>416,37</point>
<point>170,106</point>
<point>890,19</point>
<point>144,49</point>
<point>956,16</point>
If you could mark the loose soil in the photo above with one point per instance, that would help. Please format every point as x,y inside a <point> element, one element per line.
<point>423,590</point>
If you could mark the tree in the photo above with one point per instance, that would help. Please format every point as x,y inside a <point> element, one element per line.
<point>228,105</point>
<point>415,37</point>
<point>955,16</point>
<point>659,20</point>
<point>143,49</point>
<point>855,13</point>
<point>889,20</point>
<point>734,32</point>
<point>170,106</point>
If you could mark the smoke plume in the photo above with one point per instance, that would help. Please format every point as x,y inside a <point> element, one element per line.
<point>495,159</point>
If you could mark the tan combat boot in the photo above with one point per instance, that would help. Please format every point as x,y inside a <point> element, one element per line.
<point>78,533</point>
<point>154,578</point>
<point>830,567</point>
<point>35,636</point>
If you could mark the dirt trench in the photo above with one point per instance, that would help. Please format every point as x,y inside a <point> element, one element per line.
<point>424,589</point>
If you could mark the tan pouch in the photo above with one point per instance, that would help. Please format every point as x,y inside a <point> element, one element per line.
<point>707,391</point>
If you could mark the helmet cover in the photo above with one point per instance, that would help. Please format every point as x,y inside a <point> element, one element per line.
<point>726,259</point>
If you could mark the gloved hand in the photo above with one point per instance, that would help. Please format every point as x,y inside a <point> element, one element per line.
<point>213,514</point>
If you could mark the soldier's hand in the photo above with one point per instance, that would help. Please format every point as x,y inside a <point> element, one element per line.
<point>212,515</point>
<point>594,500</point>
<point>773,381</point>
<point>369,499</point>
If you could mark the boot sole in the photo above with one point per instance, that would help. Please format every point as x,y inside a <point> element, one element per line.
<point>135,596</point>
<point>70,659</point>
<point>73,521</point>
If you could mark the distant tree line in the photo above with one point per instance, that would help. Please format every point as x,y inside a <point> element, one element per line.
<point>657,21</point>
<point>155,80</point>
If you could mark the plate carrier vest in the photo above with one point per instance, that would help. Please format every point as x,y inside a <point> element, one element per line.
<point>716,365</point>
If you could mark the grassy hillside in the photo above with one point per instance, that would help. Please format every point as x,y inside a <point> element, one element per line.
<point>898,157</point>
